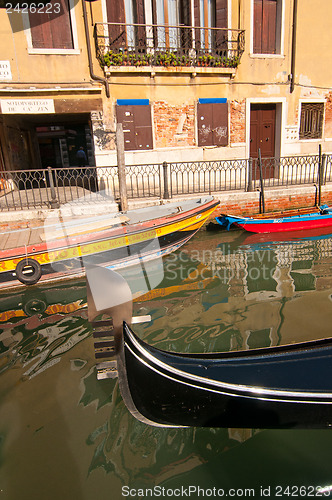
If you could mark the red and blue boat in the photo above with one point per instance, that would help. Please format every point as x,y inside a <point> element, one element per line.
<point>276,222</point>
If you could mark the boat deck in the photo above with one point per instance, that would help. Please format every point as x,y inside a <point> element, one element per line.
<point>21,237</point>
<point>74,226</point>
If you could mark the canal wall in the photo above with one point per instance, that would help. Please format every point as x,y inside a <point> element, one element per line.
<point>231,202</point>
<point>276,199</point>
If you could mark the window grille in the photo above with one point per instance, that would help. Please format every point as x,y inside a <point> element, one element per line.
<point>311,124</point>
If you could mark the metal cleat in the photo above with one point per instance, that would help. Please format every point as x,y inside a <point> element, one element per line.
<point>102,322</point>
<point>140,319</point>
<point>108,369</point>
<point>104,349</point>
<point>102,328</point>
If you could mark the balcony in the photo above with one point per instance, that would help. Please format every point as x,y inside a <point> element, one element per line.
<point>139,45</point>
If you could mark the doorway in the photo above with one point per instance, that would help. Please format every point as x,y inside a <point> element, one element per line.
<point>263,137</point>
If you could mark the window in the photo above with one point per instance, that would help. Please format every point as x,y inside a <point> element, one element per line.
<point>212,122</point>
<point>126,13</point>
<point>311,122</point>
<point>52,30</point>
<point>210,14</point>
<point>135,116</point>
<point>267,26</point>
<point>172,13</point>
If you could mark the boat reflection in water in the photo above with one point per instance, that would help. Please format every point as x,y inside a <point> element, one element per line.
<point>48,371</point>
<point>69,425</point>
<point>38,325</point>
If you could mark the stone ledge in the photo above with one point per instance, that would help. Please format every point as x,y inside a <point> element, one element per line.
<point>181,70</point>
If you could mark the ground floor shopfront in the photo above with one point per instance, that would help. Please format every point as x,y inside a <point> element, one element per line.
<point>205,124</point>
<point>37,133</point>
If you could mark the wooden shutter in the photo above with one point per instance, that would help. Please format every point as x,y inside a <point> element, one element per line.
<point>269,26</point>
<point>125,115</point>
<point>221,14</point>
<point>115,11</point>
<point>258,16</point>
<point>137,126</point>
<point>116,14</point>
<point>52,30</point>
<point>197,23</point>
<point>265,25</point>
<point>140,30</point>
<point>140,14</point>
<point>143,127</point>
<point>204,124</point>
<point>212,124</point>
<point>220,21</point>
<point>220,37</point>
<point>185,20</point>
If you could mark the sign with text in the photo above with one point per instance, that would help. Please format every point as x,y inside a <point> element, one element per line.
<point>27,106</point>
<point>5,71</point>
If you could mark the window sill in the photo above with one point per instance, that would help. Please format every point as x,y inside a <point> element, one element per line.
<point>267,56</point>
<point>55,52</point>
<point>314,139</point>
<point>180,70</point>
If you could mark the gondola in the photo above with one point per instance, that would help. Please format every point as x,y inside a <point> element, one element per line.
<point>276,387</point>
<point>276,222</point>
<point>114,241</point>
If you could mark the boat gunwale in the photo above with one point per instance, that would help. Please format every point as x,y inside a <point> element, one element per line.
<point>218,386</point>
<point>259,351</point>
<point>292,212</point>
<point>35,249</point>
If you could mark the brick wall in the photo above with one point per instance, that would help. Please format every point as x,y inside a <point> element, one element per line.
<point>174,125</point>
<point>248,203</point>
<point>237,121</point>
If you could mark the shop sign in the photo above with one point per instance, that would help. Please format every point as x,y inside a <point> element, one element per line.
<point>27,106</point>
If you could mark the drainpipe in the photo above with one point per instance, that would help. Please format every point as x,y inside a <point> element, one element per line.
<point>292,75</point>
<point>95,77</point>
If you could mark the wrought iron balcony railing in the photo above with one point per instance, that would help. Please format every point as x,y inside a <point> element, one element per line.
<point>162,45</point>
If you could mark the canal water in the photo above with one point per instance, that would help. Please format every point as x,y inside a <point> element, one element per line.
<point>66,435</point>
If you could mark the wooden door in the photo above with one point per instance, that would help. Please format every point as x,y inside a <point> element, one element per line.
<point>262,134</point>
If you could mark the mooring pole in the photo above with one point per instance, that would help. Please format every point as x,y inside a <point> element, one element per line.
<point>53,202</point>
<point>165,175</point>
<point>261,179</point>
<point>249,187</point>
<point>320,175</point>
<point>121,167</point>
<point>323,169</point>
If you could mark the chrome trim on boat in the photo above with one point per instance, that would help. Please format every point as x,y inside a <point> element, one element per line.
<point>249,391</point>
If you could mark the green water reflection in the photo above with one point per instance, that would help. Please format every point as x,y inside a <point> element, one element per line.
<point>63,434</point>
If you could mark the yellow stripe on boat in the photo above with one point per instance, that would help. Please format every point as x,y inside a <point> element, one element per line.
<point>192,223</point>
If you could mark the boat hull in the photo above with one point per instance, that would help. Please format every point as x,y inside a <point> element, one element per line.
<point>278,224</point>
<point>114,248</point>
<point>270,388</point>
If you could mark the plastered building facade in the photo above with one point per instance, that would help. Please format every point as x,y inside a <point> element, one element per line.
<point>190,80</point>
